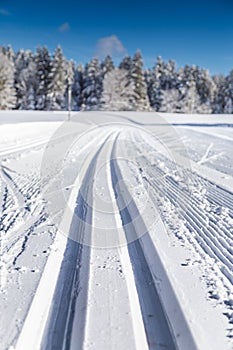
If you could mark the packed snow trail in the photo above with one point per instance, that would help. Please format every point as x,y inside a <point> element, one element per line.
<point>99,284</point>
<point>137,231</point>
<point>106,289</point>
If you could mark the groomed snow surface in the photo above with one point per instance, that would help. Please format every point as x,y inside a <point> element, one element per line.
<point>116,231</point>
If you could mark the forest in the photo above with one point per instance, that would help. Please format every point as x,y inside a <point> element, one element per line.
<point>43,81</point>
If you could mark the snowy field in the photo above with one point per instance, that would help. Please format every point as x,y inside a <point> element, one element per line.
<point>116,231</point>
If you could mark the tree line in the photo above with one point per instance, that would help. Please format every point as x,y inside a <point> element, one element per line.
<point>41,81</point>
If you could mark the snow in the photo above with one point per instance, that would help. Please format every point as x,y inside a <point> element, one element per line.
<point>141,175</point>
<point>45,81</point>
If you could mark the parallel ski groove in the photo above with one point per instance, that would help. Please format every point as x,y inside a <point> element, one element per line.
<point>197,220</point>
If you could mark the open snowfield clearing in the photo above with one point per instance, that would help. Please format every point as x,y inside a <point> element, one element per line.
<point>116,231</point>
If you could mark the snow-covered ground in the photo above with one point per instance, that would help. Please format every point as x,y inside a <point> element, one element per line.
<point>116,231</point>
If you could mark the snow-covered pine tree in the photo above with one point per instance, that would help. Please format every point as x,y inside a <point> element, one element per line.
<point>140,101</point>
<point>26,87</point>
<point>107,65</point>
<point>8,52</point>
<point>181,87</point>
<point>219,98</point>
<point>190,100</point>
<point>170,101</point>
<point>20,64</point>
<point>92,85</point>
<point>25,72</point>
<point>167,74</point>
<point>57,81</point>
<point>43,78</point>
<point>154,85</point>
<point>126,63</point>
<point>7,89</point>
<point>187,90</point>
<point>228,100</point>
<point>169,95</point>
<point>148,80</point>
<point>206,90</point>
<point>117,91</point>
<point>69,73</point>
<point>78,86</point>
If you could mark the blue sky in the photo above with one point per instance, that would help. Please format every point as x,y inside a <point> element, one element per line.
<point>194,32</point>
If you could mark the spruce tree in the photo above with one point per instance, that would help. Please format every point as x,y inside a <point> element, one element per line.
<point>190,100</point>
<point>26,87</point>
<point>206,90</point>
<point>57,81</point>
<point>92,85</point>
<point>219,98</point>
<point>43,79</point>
<point>78,87</point>
<point>126,64</point>
<point>228,100</point>
<point>141,101</point>
<point>25,72</point>
<point>154,85</point>
<point>107,65</point>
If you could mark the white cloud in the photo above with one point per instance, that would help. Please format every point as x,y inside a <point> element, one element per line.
<point>65,27</point>
<point>110,45</point>
<point>4,12</point>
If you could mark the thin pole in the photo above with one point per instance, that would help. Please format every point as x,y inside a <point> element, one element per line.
<point>69,102</point>
<point>70,78</point>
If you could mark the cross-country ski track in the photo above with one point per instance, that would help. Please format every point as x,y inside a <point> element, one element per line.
<point>138,244</point>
